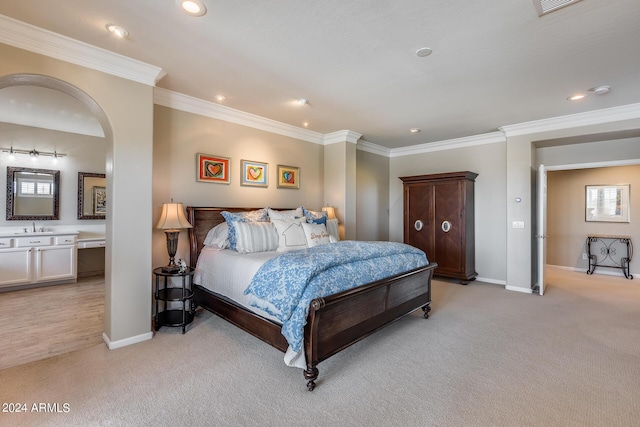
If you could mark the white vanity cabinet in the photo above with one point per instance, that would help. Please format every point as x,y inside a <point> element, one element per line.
<point>38,258</point>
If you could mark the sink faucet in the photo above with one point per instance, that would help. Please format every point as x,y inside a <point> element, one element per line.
<point>34,226</point>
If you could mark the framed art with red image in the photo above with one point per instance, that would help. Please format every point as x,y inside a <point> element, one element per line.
<point>213,168</point>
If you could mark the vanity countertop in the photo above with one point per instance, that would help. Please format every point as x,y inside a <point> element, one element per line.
<point>86,237</point>
<point>5,234</point>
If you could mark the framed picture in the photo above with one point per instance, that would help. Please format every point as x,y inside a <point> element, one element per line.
<point>254,174</point>
<point>99,200</point>
<point>213,168</point>
<point>288,177</point>
<point>607,203</point>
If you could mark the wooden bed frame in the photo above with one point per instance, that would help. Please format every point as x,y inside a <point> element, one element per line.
<point>334,322</point>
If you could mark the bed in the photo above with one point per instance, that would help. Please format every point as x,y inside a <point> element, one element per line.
<point>334,322</point>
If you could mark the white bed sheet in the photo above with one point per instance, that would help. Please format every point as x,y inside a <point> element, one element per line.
<point>228,273</point>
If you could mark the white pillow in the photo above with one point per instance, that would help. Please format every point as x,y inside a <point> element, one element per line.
<point>291,214</point>
<point>332,228</point>
<point>290,234</point>
<point>316,234</point>
<point>255,237</point>
<point>218,236</point>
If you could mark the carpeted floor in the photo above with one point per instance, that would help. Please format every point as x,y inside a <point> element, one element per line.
<point>486,357</point>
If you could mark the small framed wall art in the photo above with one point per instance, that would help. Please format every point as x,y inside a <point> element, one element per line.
<point>254,174</point>
<point>213,168</point>
<point>288,177</point>
<point>99,200</point>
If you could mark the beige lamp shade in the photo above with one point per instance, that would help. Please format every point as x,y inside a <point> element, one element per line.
<point>330,210</point>
<point>172,217</point>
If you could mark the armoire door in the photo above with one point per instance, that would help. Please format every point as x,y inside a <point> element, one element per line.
<point>448,227</point>
<point>418,219</point>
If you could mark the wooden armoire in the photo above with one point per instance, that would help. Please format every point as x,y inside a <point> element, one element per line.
<point>438,218</point>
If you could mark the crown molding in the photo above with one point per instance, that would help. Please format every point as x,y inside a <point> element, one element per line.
<point>595,117</point>
<point>342,136</point>
<point>372,148</point>
<point>467,141</point>
<point>205,108</point>
<point>34,39</point>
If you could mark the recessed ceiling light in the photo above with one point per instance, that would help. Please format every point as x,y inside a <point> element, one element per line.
<point>305,124</point>
<point>192,7</point>
<point>117,31</point>
<point>576,97</point>
<point>301,101</point>
<point>220,98</point>
<point>424,51</point>
<point>415,130</point>
<point>600,90</point>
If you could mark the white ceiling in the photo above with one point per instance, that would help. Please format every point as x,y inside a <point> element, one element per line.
<point>494,62</point>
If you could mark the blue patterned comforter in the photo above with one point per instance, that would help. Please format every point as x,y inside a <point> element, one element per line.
<point>285,285</point>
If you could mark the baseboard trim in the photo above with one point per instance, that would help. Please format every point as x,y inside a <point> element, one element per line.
<point>492,281</point>
<point>605,271</point>
<point>112,345</point>
<point>518,289</point>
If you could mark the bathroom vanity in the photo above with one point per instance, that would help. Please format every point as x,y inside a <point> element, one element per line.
<point>38,258</point>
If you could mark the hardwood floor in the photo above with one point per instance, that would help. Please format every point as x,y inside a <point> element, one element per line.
<point>44,322</point>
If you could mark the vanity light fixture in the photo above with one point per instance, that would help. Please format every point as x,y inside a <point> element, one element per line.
<point>117,31</point>
<point>34,154</point>
<point>192,7</point>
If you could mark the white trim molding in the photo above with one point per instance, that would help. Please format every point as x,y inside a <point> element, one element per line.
<point>112,345</point>
<point>342,136</point>
<point>34,39</point>
<point>372,148</point>
<point>468,141</point>
<point>607,115</point>
<point>492,281</point>
<point>519,289</point>
<point>205,108</point>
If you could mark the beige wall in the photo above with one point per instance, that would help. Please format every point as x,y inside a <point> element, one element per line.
<point>566,225</point>
<point>179,135</point>
<point>372,195</point>
<point>489,162</point>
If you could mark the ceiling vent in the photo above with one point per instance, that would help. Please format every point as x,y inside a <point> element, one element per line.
<point>547,6</point>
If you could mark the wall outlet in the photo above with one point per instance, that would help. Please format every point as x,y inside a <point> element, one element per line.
<point>584,256</point>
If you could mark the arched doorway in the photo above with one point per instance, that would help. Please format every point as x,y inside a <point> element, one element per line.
<point>57,85</point>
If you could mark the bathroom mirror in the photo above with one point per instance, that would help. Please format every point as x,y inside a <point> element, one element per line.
<point>32,194</point>
<point>92,195</point>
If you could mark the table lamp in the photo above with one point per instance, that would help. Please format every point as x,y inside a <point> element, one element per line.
<point>172,220</point>
<point>330,210</point>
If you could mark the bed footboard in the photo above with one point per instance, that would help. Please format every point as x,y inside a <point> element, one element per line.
<point>342,319</point>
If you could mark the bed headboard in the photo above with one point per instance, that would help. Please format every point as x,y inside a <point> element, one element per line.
<point>204,219</point>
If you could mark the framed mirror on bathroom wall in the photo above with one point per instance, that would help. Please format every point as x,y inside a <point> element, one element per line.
<point>32,194</point>
<point>92,195</point>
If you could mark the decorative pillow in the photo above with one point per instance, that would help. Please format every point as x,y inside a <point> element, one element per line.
<point>255,237</point>
<point>260,215</point>
<point>314,217</point>
<point>291,214</point>
<point>290,234</point>
<point>316,234</point>
<point>218,236</point>
<point>332,228</point>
